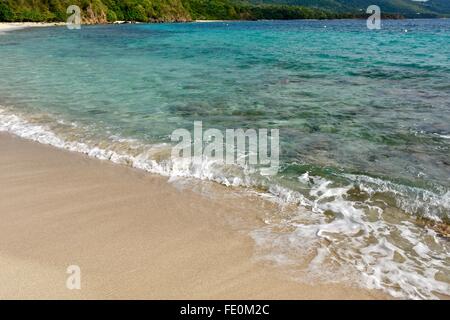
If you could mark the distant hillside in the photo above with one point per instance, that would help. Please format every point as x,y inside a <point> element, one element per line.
<point>408,8</point>
<point>103,11</point>
<point>94,11</point>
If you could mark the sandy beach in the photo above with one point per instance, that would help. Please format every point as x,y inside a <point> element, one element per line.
<point>11,26</point>
<point>133,235</point>
<point>206,21</point>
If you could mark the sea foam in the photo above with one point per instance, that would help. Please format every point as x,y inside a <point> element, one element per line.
<point>335,236</point>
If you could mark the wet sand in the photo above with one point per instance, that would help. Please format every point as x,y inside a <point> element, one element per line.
<point>134,235</point>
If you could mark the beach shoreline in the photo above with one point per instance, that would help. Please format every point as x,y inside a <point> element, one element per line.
<point>133,235</point>
<point>12,26</point>
<point>93,183</point>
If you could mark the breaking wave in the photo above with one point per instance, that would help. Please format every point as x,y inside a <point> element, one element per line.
<point>363,228</point>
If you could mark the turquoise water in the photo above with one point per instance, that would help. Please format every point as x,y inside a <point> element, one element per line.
<point>364,120</point>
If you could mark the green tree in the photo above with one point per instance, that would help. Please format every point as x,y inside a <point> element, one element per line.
<point>6,14</point>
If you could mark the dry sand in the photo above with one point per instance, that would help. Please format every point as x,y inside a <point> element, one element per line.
<point>11,26</point>
<point>134,235</point>
<point>206,21</point>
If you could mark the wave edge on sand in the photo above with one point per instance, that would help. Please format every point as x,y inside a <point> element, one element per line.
<point>308,229</point>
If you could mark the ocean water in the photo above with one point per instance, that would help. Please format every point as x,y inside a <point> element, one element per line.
<point>364,120</point>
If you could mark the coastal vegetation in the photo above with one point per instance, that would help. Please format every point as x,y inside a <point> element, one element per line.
<point>406,8</point>
<point>104,11</point>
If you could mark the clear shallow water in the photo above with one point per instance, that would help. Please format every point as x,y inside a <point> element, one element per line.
<point>364,121</point>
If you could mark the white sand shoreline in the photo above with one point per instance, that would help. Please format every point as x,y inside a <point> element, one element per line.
<point>209,21</point>
<point>12,26</point>
<point>134,235</point>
